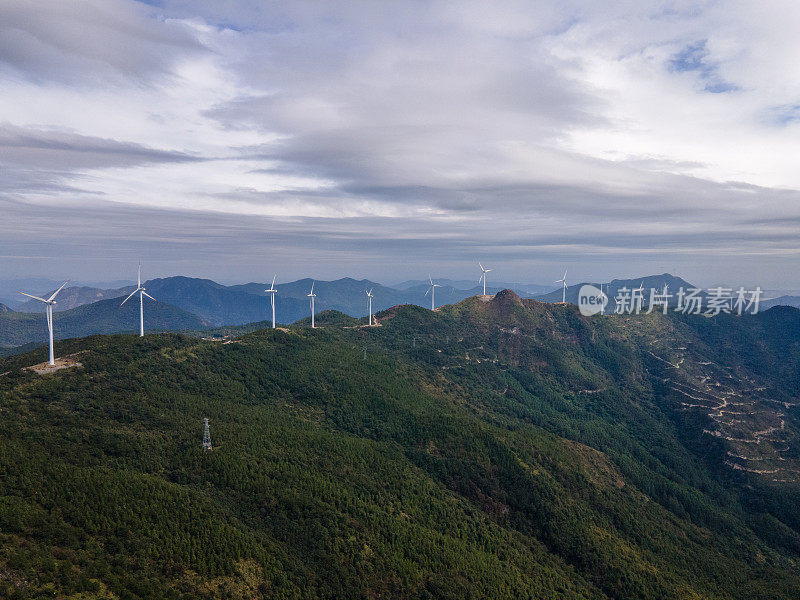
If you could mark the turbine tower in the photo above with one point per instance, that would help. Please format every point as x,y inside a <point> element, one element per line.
<point>142,294</point>
<point>206,435</point>
<point>369,296</point>
<point>48,305</point>
<point>432,291</point>
<point>483,277</point>
<point>312,295</point>
<point>564,292</point>
<point>272,291</point>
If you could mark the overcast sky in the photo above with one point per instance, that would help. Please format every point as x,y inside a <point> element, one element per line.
<point>233,139</point>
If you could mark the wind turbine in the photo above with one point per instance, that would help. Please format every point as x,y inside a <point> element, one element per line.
<point>564,291</point>
<point>312,295</point>
<point>369,295</point>
<point>272,291</point>
<point>483,277</point>
<point>48,304</point>
<point>432,291</point>
<point>142,294</point>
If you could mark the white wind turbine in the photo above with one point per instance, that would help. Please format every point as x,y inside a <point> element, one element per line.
<point>432,292</point>
<point>272,291</point>
<point>312,295</point>
<point>563,280</point>
<point>483,277</point>
<point>48,304</point>
<point>142,294</point>
<point>369,296</point>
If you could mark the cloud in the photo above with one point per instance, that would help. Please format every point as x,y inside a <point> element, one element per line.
<point>379,133</point>
<point>84,41</point>
<point>48,149</point>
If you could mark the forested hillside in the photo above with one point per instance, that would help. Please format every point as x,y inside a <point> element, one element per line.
<point>497,448</point>
<point>104,316</point>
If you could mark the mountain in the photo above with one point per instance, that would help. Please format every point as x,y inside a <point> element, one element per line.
<point>105,316</point>
<point>523,289</point>
<point>782,301</point>
<point>223,305</point>
<point>71,297</point>
<point>245,303</point>
<point>649,282</point>
<point>496,448</point>
<point>329,318</point>
<point>5,309</point>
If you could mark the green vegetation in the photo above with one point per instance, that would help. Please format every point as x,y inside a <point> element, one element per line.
<point>104,316</point>
<point>501,449</point>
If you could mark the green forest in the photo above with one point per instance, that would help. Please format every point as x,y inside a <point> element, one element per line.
<point>491,449</point>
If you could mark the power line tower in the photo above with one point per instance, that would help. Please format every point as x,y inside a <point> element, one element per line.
<point>206,435</point>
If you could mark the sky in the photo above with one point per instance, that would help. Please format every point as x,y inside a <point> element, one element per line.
<point>236,139</point>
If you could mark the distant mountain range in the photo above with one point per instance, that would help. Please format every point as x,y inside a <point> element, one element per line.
<point>72,297</point>
<point>104,316</point>
<point>782,301</point>
<point>245,303</point>
<point>192,303</point>
<point>612,288</point>
<point>525,290</point>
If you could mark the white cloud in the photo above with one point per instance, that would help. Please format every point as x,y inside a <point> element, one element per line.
<point>620,125</point>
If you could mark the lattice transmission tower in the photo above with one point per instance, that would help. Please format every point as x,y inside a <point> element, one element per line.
<point>206,436</point>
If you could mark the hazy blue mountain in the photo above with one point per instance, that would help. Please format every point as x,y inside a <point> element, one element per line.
<point>9,302</point>
<point>222,305</point>
<point>5,309</point>
<point>71,297</point>
<point>782,301</point>
<point>105,316</point>
<point>524,290</point>
<point>32,285</point>
<point>649,282</point>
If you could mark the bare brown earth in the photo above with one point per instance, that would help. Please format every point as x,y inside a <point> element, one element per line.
<point>64,362</point>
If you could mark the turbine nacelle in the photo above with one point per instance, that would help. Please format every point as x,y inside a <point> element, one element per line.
<point>272,289</point>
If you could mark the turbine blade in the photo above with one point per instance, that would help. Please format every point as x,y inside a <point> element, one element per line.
<point>139,277</point>
<point>274,277</point>
<point>149,296</point>
<point>34,297</point>
<point>481,266</point>
<point>129,297</point>
<point>429,291</point>
<point>58,290</point>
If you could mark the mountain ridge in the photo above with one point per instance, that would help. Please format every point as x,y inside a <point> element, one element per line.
<point>499,447</point>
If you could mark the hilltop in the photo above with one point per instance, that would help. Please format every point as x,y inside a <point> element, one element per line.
<point>500,447</point>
